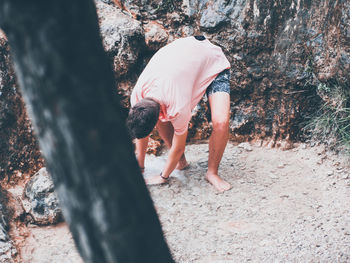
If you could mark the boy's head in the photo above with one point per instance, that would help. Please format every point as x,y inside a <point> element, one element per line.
<point>142,118</point>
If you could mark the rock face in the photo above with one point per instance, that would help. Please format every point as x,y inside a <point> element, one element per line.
<point>122,37</point>
<point>7,250</point>
<point>280,52</point>
<point>40,199</point>
<point>18,147</point>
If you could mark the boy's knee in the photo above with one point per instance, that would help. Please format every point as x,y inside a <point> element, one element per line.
<point>220,125</point>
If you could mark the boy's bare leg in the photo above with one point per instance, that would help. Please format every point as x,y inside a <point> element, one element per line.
<point>166,132</point>
<point>141,148</point>
<point>220,115</point>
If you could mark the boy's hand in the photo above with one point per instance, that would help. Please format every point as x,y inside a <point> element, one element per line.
<point>155,179</point>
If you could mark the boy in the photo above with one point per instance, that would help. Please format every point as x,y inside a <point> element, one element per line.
<point>169,88</point>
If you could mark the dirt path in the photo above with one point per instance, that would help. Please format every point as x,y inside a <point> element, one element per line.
<point>49,244</point>
<point>285,206</point>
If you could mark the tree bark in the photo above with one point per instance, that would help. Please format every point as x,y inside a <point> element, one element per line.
<point>70,93</point>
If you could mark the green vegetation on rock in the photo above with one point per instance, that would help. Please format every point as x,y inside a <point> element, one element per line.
<point>331,124</point>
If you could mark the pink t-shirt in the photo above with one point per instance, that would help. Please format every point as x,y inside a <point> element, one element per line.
<point>177,77</point>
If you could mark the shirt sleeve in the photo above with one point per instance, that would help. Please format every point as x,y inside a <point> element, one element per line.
<point>133,98</point>
<point>180,122</point>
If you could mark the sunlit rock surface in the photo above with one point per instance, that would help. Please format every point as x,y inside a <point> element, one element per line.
<point>40,200</point>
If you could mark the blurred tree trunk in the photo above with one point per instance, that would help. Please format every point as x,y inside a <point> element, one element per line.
<point>69,90</point>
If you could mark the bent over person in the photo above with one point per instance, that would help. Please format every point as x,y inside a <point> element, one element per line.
<point>169,88</point>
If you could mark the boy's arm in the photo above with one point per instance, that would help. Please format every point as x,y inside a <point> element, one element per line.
<point>141,148</point>
<point>175,153</point>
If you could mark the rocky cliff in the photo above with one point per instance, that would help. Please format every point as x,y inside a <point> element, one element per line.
<point>18,147</point>
<point>280,52</point>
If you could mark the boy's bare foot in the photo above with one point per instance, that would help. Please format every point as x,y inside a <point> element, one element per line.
<point>219,184</point>
<point>182,164</point>
<point>154,180</point>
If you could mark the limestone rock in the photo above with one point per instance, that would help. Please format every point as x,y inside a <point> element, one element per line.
<point>7,250</point>
<point>40,199</point>
<point>189,8</point>
<point>154,146</point>
<point>155,143</point>
<point>155,35</point>
<point>215,14</point>
<point>122,35</point>
<point>200,127</point>
<point>14,202</point>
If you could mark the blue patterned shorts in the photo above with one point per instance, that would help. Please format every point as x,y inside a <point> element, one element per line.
<point>220,84</point>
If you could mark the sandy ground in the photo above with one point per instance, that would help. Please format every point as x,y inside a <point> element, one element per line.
<point>49,244</point>
<point>284,206</point>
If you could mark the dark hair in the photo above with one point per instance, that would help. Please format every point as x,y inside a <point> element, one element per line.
<point>142,118</point>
